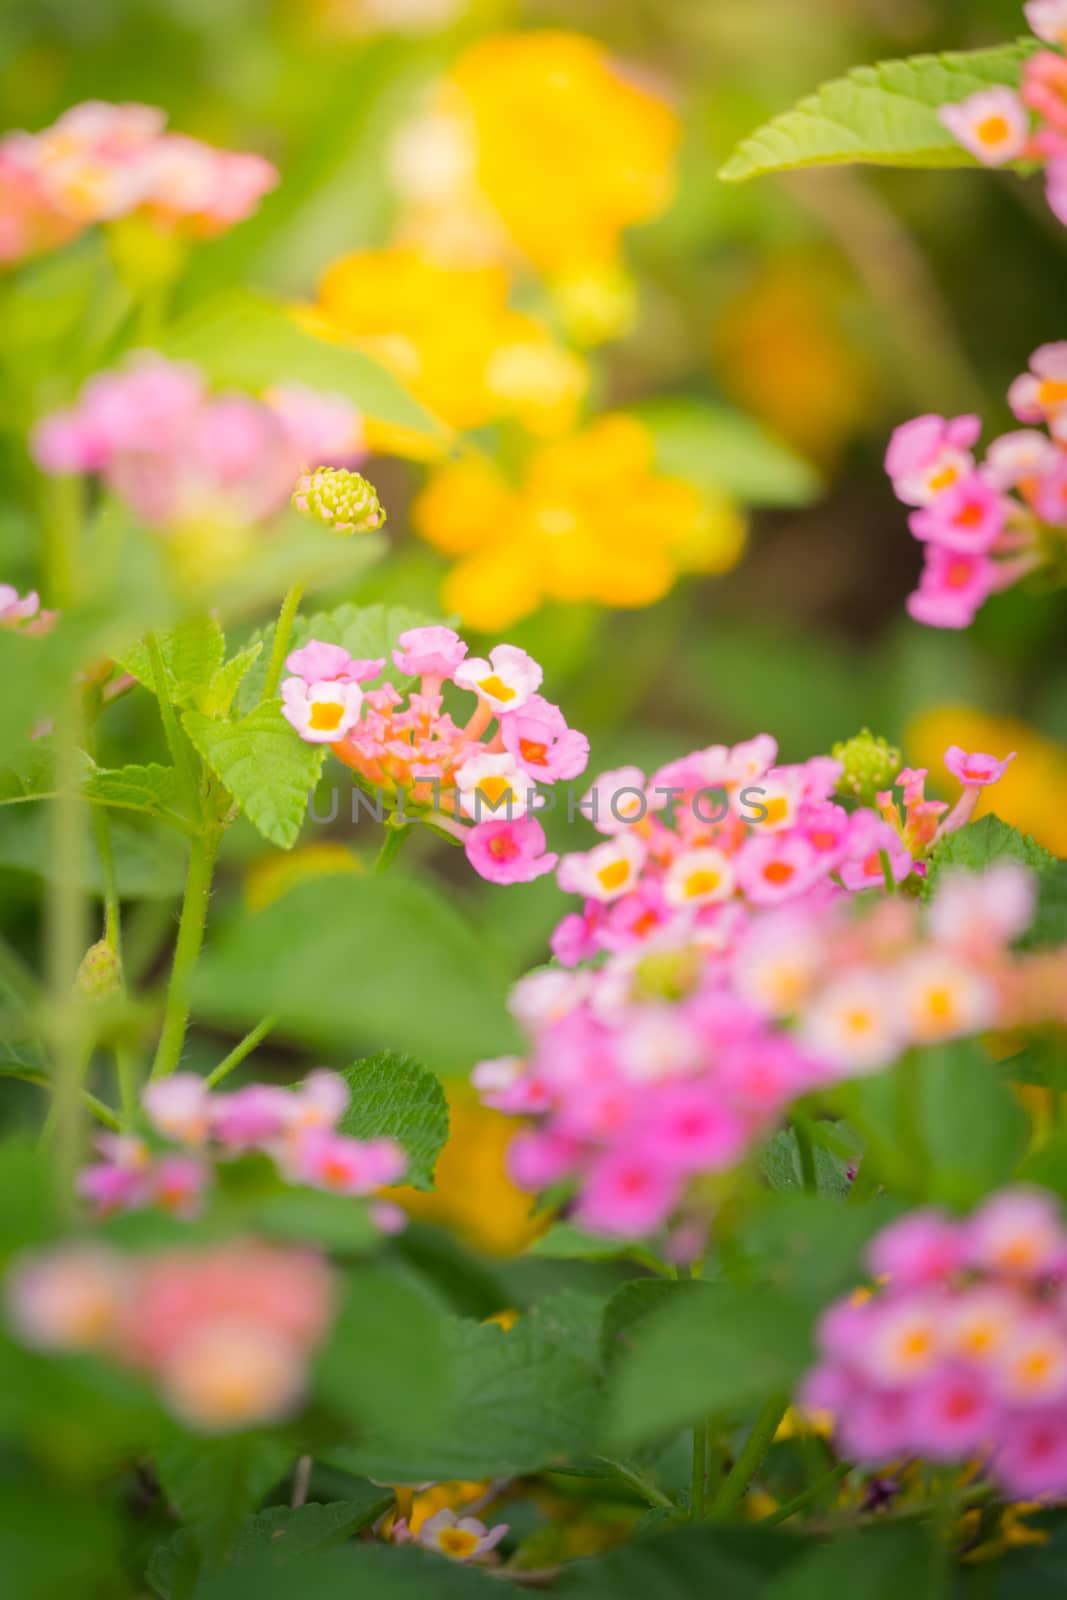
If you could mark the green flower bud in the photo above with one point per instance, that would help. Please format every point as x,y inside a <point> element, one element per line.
<point>340,499</point>
<point>870,764</point>
<point>100,974</point>
<point>667,974</point>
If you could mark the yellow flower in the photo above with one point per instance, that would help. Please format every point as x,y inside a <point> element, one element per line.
<point>473,1194</point>
<point>569,150</point>
<point>1030,794</point>
<point>272,876</point>
<point>448,334</point>
<point>591,519</point>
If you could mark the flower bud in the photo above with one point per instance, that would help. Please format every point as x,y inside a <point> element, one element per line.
<point>100,974</point>
<point>870,764</point>
<point>340,499</point>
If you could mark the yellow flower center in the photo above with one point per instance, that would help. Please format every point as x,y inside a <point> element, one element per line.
<point>495,789</point>
<point>704,881</point>
<point>326,716</point>
<point>495,686</point>
<point>993,130</point>
<point>614,875</point>
<point>457,1543</point>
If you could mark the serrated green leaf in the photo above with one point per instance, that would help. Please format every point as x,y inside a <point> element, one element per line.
<point>383,961</point>
<point>367,632</point>
<point>152,788</point>
<point>727,1563</point>
<point>780,1166</point>
<point>981,845</point>
<point>395,1097</point>
<point>336,1222</point>
<point>714,446</point>
<point>214,1483</point>
<point>265,765</point>
<point>630,1305</point>
<point>255,342</point>
<point>1050,920</point>
<point>972,1129</point>
<point>192,653</point>
<point>217,698</point>
<point>885,115</point>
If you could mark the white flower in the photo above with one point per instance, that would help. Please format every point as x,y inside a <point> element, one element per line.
<point>506,681</point>
<point>321,713</point>
<point>493,786</point>
<point>699,877</point>
<point>459,1538</point>
<point>852,1023</point>
<point>606,872</point>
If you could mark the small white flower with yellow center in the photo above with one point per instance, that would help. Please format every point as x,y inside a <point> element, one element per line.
<point>852,1023</point>
<point>321,713</point>
<point>777,966</point>
<point>607,872</point>
<point>940,997</point>
<point>506,681</point>
<point>768,804</point>
<point>620,799</point>
<point>1048,19</point>
<point>459,1538</point>
<point>659,1046</point>
<point>1032,1367</point>
<point>228,1375</point>
<point>905,1343</point>
<point>547,995</point>
<point>994,125</point>
<point>699,878</point>
<point>492,786</point>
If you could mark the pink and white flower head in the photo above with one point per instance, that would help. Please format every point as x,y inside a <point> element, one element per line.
<point>853,1024</point>
<point>332,1161</point>
<point>1048,19</point>
<point>921,1249</point>
<point>977,769</point>
<point>1017,1233</point>
<point>930,454</point>
<point>993,125</point>
<point>505,682</point>
<point>940,995</point>
<point>459,1538</point>
<point>1044,90</point>
<point>698,878</point>
<point>1040,395</point>
<point>253,1118</point>
<point>509,852</point>
<point>16,608</point>
<point>320,1101</point>
<point>492,787</point>
<point>71,1297</point>
<point>179,1107</point>
<point>953,587</point>
<point>1019,459</point>
<point>775,867</point>
<point>619,799</point>
<point>229,1375</point>
<point>542,744</point>
<point>606,872</point>
<point>178,1183</point>
<point>969,516</point>
<point>324,712</point>
<point>324,428</point>
<point>973,911</point>
<point>437,651</point>
<point>317,662</point>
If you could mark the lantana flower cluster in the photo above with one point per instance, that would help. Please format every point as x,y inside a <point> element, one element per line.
<point>663,1064</point>
<point>1002,125</point>
<point>724,829</point>
<point>297,1129</point>
<point>224,1333</point>
<point>22,613</point>
<point>99,162</point>
<point>178,455</point>
<point>476,780</point>
<point>986,525</point>
<point>960,1352</point>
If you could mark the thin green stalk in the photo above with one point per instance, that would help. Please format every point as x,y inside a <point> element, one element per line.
<point>698,1475</point>
<point>112,919</point>
<point>640,1484</point>
<point>60,523</point>
<point>282,634</point>
<point>806,1152</point>
<point>187,950</point>
<point>177,744</point>
<point>887,871</point>
<point>806,1497</point>
<point>100,1111</point>
<point>67,933</point>
<point>749,1458</point>
<point>394,838</point>
<point>241,1050</point>
<point>715,1458</point>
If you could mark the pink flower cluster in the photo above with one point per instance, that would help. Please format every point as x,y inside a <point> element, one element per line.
<point>665,1063</point>
<point>177,454</point>
<point>225,1333</point>
<point>99,162</point>
<point>725,829</point>
<point>23,612</point>
<point>998,125</point>
<point>297,1129</point>
<point>982,525</point>
<point>961,1352</point>
<point>477,780</point>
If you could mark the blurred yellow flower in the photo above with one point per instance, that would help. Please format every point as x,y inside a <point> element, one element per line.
<point>473,1195</point>
<point>591,519</point>
<point>449,335</point>
<point>539,142</point>
<point>272,876</point>
<point>1030,794</point>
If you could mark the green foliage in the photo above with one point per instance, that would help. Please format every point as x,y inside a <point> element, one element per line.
<point>386,960</point>
<point>368,633</point>
<point>394,1097</point>
<point>356,1571</point>
<point>192,652</point>
<point>267,769</point>
<point>152,788</point>
<point>727,452</point>
<point>740,1563</point>
<point>885,115</point>
<point>1049,926</point>
<point>213,1484</point>
<point>981,845</point>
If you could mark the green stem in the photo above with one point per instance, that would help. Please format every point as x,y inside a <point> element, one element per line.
<point>282,634</point>
<point>640,1484</point>
<point>241,1050</point>
<point>100,1111</point>
<point>67,929</point>
<point>63,497</point>
<point>887,871</point>
<point>177,744</point>
<point>698,1475</point>
<point>112,920</point>
<point>187,950</point>
<point>806,1151</point>
<point>806,1497</point>
<point>749,1458</point>
<point>394,838</point>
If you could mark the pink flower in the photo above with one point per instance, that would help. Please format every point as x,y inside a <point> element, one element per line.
<point>329,1160</point>
<point>979,911</point>
<point>872,846</point>
<point>505,682</point>
<point>1041,394</point>
<point>435,650</point>
<point>627,1193</point>
<point>177,1184</point>
<point>606,872</point>
<point>1031,1456</point>
<point>251,1118</point>
<point>690,1130</point>
<point>179,1107</point>
<point>71,1297</point>
<point>459,1538</point>
<point>774,867</point>
<point>969,516</point>
<point>929,454</point>
<point>493,785</point>
<point>537,1160</point>
<point>1044,88</point>
<point>992,124</point>
<point>978,769</point>
<point>317,662</point>
<point>618,799</point>
<point>323,427</point>
<point>226,1376</point>
<point>321,713</point>
<point>542,743</point>
<point>1016,1233</point>
<point>954,1415</point>
<point>1019,458</point>
<point>922,1248</point>
<point>15,608</point>
<point>877,1425</point>
<point>1048,19</point>
<point>952,588</point>
<point>509,852</point>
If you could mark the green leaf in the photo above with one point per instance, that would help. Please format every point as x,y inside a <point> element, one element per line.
<point>981,845</point>
<point>192,654</point>
<point>524,1398</point>
<point>152,788</point>
<point>218,696</point>
<point>214,1483</point>
<point>336,1222</point>
<point>885,115</point>
<point>358,1572</point>
<point>722,449</point>
<point>565,1242</point>
<point>722,1348</point>
<point>149,862</point>
<point>972,1129</point>
<point>809,1247</point>
<point>56,1539</point>
<point>724,1563</point>
<point>254,342</point>
<point>385,961</point>
<point>265,765</point>
<point>1050,920</point>
<point>866,1566</point>
<point>780,1166</point>
<point>394,1097</point>
<point>630,1305</point>
<point>366,632</point>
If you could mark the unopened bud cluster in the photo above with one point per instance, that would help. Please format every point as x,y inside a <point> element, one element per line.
<point>342,500</point>
<point>869,763</point>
